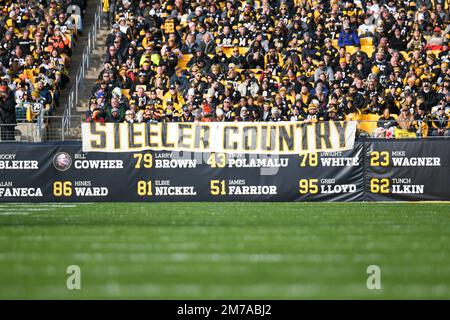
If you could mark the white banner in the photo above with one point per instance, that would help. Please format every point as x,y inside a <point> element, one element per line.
<point>227,137</point>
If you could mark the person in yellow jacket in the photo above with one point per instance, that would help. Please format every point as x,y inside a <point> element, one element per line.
<point>273,60</point>
<point>173,95</point>
<point>108,8</point>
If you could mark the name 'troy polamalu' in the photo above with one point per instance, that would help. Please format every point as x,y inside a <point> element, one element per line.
<point>258,163</point>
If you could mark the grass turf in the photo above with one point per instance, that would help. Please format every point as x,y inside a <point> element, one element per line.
<point>225,250</point>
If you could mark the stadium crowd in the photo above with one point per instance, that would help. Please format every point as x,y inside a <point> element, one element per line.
<point>288,60</point>
<point>36,41</point>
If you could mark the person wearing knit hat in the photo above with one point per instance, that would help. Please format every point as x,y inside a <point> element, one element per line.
<point>312,108</point>
<point>348,37</point>
<point>311,114</point>
<point>332,114</point>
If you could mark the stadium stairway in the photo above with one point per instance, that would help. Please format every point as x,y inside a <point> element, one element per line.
<point>95,67</point>
<point>96,63</point>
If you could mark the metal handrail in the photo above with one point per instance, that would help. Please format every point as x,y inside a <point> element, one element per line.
<point>40,130</point>
<point>75,91</point>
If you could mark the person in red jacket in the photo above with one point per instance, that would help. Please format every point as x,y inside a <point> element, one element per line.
<point>96,117</point>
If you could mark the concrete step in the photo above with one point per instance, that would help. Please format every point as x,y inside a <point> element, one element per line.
<point>91,75</point>
<point>98,52</point>
<point>82,110</point>
<point>95,66</point>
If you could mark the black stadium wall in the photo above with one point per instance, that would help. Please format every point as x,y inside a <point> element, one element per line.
<point>374,170</point>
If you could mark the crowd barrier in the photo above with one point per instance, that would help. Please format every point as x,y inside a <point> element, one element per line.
<point>69,128</point>
<point>374,170</point>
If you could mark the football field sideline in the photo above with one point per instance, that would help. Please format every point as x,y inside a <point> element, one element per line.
<point>225,250</point>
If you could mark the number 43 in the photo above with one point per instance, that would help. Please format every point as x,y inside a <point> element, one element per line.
<point>217,160</point>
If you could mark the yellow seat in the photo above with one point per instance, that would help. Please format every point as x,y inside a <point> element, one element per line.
<point>350,49</point>
<point>126,93</point>
<point>368,49</point>
<point>243,50</point>
<point>227,50</point>
<point>183,61</point>
<point>355,116</point>
<point>334,42</point>
<point>367,41</point>
<point>368,122</point>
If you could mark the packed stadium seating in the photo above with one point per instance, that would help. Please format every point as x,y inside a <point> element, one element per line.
<point>282,60</point>
<point>37,40</point>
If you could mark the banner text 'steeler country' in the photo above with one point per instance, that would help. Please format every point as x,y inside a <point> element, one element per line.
<point>226,137</point>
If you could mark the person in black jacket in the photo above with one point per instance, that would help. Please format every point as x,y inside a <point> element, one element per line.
<point>397,41</point>
<point>7,114</point>
<point>429,95</point>
<point>386,121</point>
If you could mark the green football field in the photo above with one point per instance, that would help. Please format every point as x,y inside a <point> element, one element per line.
<point>225,250</point>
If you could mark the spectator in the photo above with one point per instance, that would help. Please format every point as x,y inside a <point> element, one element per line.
<point>440,123</point>
<point>190,46</point>
<point>386,121</point>
<point>398,40</point>
<point>327,70</point>
<point>207,45</point>
<point>367,29</point>
<point>96,117</point>
<point>436,40</point>
<point>282,56</point>
<point>130,116</point>
<point>405,120</point>
<point>36,44</point>
<point>421,121</point>
<point>348,37</point>
<point>429,95</point>
<point>7,114</point>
